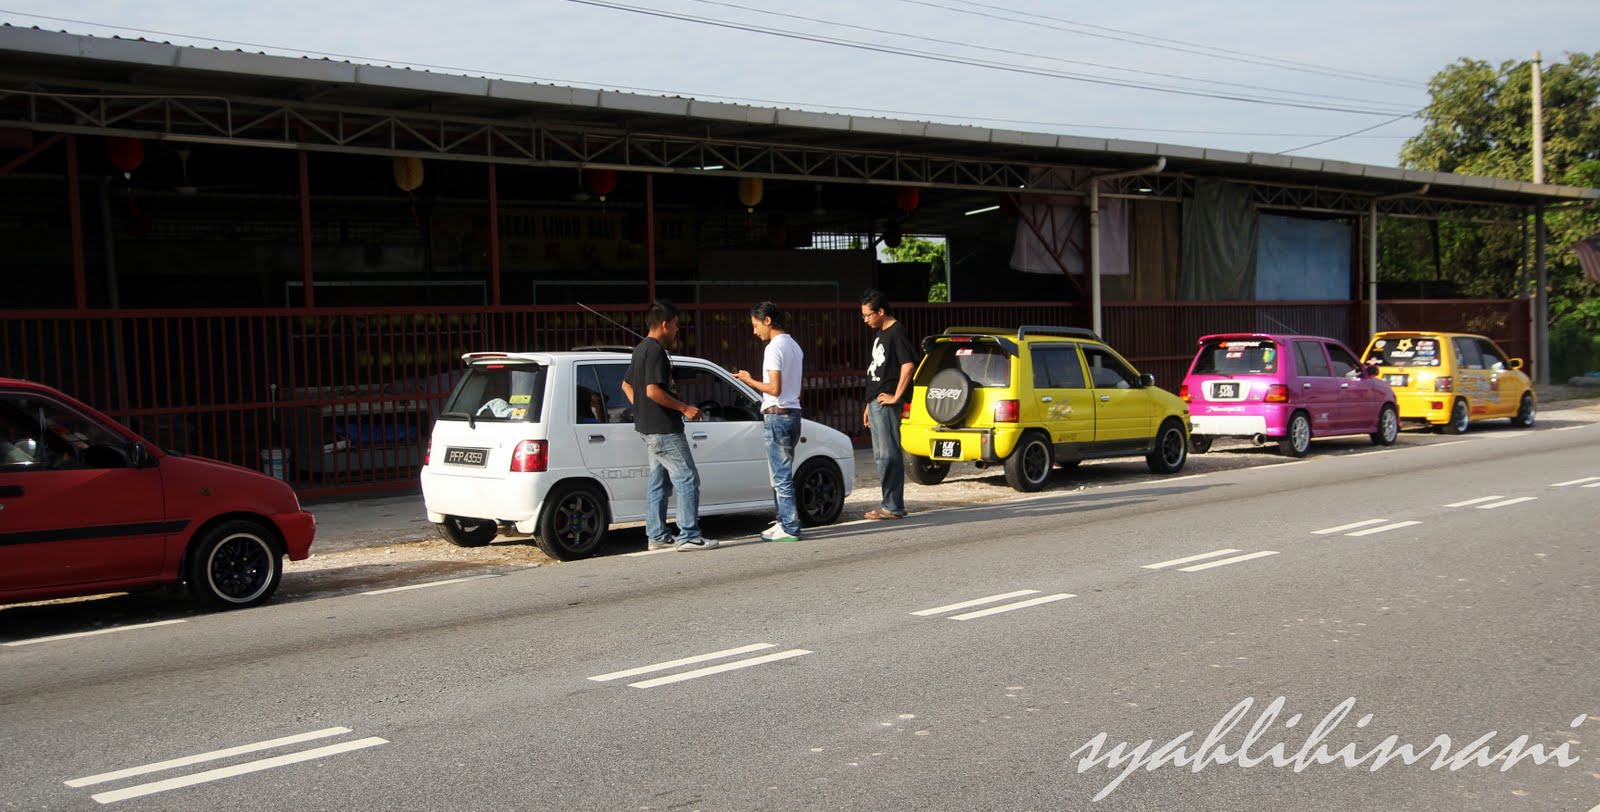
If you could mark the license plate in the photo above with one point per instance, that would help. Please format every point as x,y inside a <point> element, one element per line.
<point>470,457</point>
<point>947,449</point>
<point>1225,390</point>
<point>1395,379</point>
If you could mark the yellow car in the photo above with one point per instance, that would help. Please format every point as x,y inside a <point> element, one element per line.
<point>1451,379</point>
<point>1031,398</point>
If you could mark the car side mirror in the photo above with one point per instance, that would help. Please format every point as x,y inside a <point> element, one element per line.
<point>1369,370</point>
<point>140,457</point>
<point>1147,380</point>
<point>1516,363</point>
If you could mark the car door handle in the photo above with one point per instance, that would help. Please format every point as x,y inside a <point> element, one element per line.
<point>11,490</point>
<point>1305,386</point>
<point>1046,399</point>
<point>699,435</point>
<point>597,438</point>
<point>1105,398</point>
<point>1344,386</point>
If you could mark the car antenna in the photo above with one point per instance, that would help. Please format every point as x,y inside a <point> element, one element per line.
<point>612,320</point>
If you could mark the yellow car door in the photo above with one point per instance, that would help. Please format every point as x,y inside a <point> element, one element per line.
<point>1066,405</point>
<point>1478,385</point>
<point>1123,411</point>
<point>1507,383</point>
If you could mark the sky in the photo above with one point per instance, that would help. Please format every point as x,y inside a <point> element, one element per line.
<point>1327,80</point>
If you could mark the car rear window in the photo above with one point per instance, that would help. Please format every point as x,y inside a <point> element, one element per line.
<point>1237,356</point>
<point>503,392</point>
<point>1405,351</point>
<point>986,364</point>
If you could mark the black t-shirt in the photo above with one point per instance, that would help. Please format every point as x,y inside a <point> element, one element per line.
<point>891,348</point>
<point>652,366</point>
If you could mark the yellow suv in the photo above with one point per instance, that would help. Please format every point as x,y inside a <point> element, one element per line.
<point>1031,398</point>
<point>1450,379</point>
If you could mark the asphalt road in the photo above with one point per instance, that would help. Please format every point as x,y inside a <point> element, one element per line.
<point>961,659</point>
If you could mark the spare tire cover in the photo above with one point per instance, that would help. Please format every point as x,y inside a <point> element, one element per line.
<point>948,396</point>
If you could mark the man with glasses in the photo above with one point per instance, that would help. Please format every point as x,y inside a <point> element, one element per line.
<point>889,370</point>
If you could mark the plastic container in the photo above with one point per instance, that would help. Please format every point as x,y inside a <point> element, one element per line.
<point>274,461</point>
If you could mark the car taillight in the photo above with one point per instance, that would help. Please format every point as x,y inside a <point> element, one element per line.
<point>1444,383</point>
<point>1277,393</point>
<point>427,454</point>
<point>1005,411</point>
<point>905,410</point>
<point>1183,393</point>
<point>529,457</point>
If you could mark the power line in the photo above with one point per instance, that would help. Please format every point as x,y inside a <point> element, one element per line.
<point>981,63</point>
<point>1010,52</point>
<point>1145,40</point>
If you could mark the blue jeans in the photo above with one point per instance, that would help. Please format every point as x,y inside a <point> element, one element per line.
<point>884,421</point>
<point>671,469</point>
<point>783,434</point>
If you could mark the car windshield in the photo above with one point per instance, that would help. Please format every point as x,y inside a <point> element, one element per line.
<point>1405,351</point>
<point>508,391</point>
<point>1236,356</point>
<point>987,365</point>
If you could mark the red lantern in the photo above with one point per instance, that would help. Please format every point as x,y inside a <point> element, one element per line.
<point>601,182</point>
<point>907,198</point>
<point>125,154</point>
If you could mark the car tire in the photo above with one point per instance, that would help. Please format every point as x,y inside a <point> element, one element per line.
<point>1526,412</point>
<point>1199,444</point>
<point>234,565</point>
<point>1028,467</point>
<point>1388,426</point>
<point>1460,418</point>
<point>924,471</point>
<point>819,492</point>
<point>464,531</point>
<point>1171,450</point>
<point>1297,441</point>
<point>572,523</point>
<point>948,411</point>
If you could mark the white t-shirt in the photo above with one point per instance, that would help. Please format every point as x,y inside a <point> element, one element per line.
<point>784,355</point>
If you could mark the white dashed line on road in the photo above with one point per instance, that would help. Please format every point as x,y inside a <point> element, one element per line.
<point>718,669</point>
<point>204,757</point>
<point>1479,500</point>
<point>55,637</point>
<point>1447,442</point>
<point>698,658</point>
<point>995,610</point>
<point>1570,428</point>
<point>220,773</point>
<point>1226,561</point>
<point>1201,557</point>
<point>939,610</point>
<point>1384,529</point>
<point>1327,531</point>
<point>430,584</point>
<point>1576,481</point>
<point>1517,501</point>
<point>1593,485</point>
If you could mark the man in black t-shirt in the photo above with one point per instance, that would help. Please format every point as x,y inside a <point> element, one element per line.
<point>888,383</point>
<point>658,416</point>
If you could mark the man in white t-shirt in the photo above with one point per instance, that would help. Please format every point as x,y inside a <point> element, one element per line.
<point>780,413</point>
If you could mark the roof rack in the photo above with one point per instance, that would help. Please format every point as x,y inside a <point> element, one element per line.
<point>1072,332</point>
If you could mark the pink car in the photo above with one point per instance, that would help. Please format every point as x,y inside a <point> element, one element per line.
<point>1284,388</point>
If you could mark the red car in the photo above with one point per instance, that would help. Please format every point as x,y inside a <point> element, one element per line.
<point>87,506</point>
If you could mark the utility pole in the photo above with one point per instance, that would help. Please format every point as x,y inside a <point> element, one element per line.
<point>1538,119</point>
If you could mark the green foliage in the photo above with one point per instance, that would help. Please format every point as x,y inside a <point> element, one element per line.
<point>1574,349</point>
<point>1480,123</point>
<point>932,252</point>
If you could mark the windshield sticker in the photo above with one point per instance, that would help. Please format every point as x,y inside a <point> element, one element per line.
<point>964,351</point>
<point>522,399</point>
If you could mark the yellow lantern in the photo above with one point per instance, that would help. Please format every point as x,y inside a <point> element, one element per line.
<point>407,173</point>
<point>750,193</point>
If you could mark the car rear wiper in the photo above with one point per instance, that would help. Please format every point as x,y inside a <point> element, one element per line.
<point>471,423</point>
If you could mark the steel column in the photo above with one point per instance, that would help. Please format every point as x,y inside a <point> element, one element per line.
<point>494,237</point>
<point>80,297</point>
<point>305,230</point>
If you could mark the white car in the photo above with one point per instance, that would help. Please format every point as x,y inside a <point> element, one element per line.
<point>543,443</point>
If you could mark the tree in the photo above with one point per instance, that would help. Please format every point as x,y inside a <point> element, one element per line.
<point>1480,123</point>
<point>931,252</point>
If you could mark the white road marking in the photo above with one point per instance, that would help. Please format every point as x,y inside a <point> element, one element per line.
<point>718,669</point>
<point>56,637</point>
<point>1181,478</point>
<point>1176,561</point>
<point>937,610</point>
<point>1593,485</point>
<point>1474,501</point>
<point>1226,561</point>
<point>1517,501</point>
<point>995,610</point>
<point>211,756</point>
<point>1576,481</point>
<point>238,769</point>
<point>1570,428</point>
<point>1384,529</point>
<point>1273,465</point>
<point>1343,527</point>
<point>429,584</point>
<point>698,658</point>
<point>1381,451</point>
<point>1449,442</point>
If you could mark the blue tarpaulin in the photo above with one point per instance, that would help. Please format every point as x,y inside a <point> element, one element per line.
<point>1302,260</point>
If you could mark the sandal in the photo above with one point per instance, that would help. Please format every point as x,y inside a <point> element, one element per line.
<point>881,514</point>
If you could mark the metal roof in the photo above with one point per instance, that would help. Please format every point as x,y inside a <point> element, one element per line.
<point>86,84</point>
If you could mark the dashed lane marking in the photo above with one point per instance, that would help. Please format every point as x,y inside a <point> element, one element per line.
<point>55,637</point>
<point>995,610</point>
<point>939,610</point>
<point>1326,531</point>
<point>220,773</point>
<point>1576,481</point>
<point>1479,500</point>
<point>430,584</point>
<point>718,669</point>
<point>1517,501</point>
<point>1176,561</point>
<point>1384,529</point>
<point>214,755</point>
<point>698,658</point>
<point>1226,561</point>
